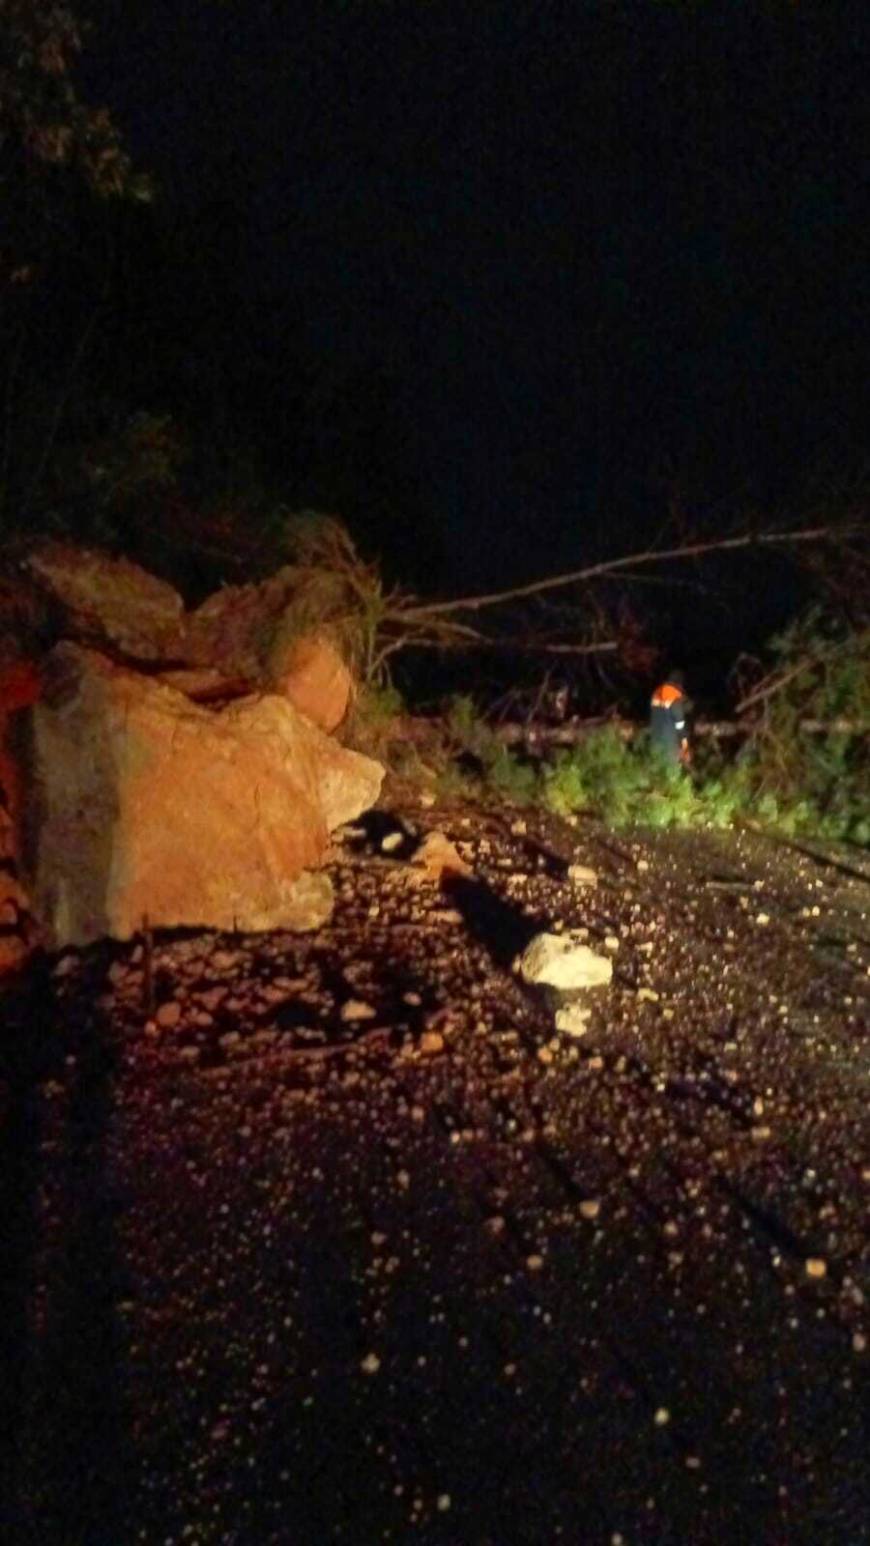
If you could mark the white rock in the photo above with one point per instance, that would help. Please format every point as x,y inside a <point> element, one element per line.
<point>561,961</point>
<point>581,875</point>
<point>392,841</point>
<point>573,1019</point>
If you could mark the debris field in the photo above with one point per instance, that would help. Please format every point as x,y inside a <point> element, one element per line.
<point>360,1236</point>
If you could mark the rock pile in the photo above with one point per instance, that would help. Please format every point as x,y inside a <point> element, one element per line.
<point>172,768</point>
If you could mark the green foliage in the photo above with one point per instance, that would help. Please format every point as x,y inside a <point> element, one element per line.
<point>807,782</point>
<point>784,777</point>
<point>454,784</point>
<point>625,782</point>
<point>501,771</point>
<point>629,783</point>
<point>468,731</point>
<point>818,789</point>
<point>825,668</point>
<point>380,705</point>
<point>373,725</point>
<point>512,778</point>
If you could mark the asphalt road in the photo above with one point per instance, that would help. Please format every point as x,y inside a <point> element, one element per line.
<point>281,1271</point>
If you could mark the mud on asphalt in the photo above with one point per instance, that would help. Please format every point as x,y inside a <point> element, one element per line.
<point>333,1238</point>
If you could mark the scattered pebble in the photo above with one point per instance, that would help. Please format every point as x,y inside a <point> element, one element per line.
<point>581,876</point>
<point>169,1014</point>
<point>573,1019</point>
<point>431,1042</point>
<point>355,1009</point>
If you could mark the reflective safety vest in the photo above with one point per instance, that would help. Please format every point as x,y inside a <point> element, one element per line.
<point>667,721</point>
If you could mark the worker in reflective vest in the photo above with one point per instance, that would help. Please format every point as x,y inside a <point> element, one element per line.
<point>668,712</point>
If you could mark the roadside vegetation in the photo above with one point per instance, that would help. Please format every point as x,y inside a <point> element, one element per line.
<point>800,764</point>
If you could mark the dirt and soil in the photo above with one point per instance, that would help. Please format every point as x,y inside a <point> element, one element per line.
<point>336,1239</point>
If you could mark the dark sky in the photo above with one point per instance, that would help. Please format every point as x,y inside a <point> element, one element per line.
<point>508,279</point>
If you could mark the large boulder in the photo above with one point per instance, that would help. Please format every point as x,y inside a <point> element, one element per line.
<point>108,601</point>
<point>147,805</point>
<point>233,629</point>
<point>311,672</point>
<point>274,634</point>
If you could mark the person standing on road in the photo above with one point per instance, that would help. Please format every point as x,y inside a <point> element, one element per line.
<point>668,712</point>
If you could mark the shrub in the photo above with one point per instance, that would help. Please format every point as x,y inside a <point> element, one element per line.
<point>499,769</point>
<point>813,783</point>
<point>783,778</point>
<point>374,719</point>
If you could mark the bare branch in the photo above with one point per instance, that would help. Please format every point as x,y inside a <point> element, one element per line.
<point>778,679</point>
<point>468,640</point>
<point>614,565</point>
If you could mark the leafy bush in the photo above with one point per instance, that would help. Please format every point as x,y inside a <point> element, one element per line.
<point>514,779</point>
<point>804,781</point>
<point>374,719</point>
<point>782,777</point>
<point>380,705</point>
<point>499,769</point>
<point>630,783</point>
<point>453,783</point>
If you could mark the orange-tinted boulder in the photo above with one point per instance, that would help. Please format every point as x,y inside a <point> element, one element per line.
<point>109,601</point>
<point>153,806</point>
<point>311,672</point>
<point>277,635</point>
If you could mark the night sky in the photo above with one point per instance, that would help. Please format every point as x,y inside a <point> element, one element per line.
<point>510,285</point>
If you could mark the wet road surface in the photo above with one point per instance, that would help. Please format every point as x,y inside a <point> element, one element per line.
<point>420,1269</point>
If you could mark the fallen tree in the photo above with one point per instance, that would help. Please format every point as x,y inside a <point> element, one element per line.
<point>533,733</point>
<point>387,621</point>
